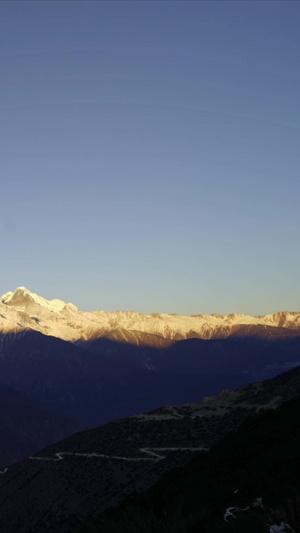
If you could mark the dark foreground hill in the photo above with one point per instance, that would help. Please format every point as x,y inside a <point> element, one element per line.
<point>58,488</point>
<point>249,482</point>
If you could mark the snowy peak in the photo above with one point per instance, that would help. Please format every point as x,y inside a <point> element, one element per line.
<point>27,310</point>
<point>21,298</point>
<point>24,299</point>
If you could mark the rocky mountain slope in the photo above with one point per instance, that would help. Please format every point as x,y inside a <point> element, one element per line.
<point>23,309</point>
<point>60,486</point>
<point>248,482</point>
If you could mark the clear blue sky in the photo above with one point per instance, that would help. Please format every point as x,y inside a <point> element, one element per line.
<point>150,154</point>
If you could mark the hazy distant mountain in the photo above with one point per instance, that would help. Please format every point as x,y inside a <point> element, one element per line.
<point>98,381</point>
<point>92,470</point>
<point>27,427</point>
<point>23,309</point>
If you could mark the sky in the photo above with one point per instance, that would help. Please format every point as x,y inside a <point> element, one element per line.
<point>149,154</point>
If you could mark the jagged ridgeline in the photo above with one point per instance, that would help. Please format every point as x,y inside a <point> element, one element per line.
<point>55,357</point>
<point>61,365</point>
<point>249,482</point>
<point>70,361</point>
<point>23,309</point>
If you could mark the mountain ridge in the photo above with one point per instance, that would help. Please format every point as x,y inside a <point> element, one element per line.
<point>23,309</point>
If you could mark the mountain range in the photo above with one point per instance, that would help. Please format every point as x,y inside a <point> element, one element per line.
<point>107,372</point>
<point>22,309</point>
<point>63,370</point>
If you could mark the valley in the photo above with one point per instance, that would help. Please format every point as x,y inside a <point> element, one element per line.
<point>136,403</point>
<point>93,470</point>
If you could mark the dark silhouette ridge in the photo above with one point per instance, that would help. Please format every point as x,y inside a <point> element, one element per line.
<point>27,427</point>
<point>98,381</point>
<point>102,380</point>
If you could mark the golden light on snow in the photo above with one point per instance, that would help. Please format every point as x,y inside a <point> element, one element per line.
<point>25,309</point>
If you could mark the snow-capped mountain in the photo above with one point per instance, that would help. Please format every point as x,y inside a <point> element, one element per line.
<point>97,367</point>
<point>23,309</point>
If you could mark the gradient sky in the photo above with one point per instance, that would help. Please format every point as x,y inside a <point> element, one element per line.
<point>150,154</point>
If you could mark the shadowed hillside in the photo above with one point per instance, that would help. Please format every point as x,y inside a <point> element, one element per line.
<point>88,472</point>
<point>248,482</point>
<point>98,381</point>
<point>27,427</point>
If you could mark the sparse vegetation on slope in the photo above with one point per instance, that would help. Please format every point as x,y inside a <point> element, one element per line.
<point>257,469</point>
